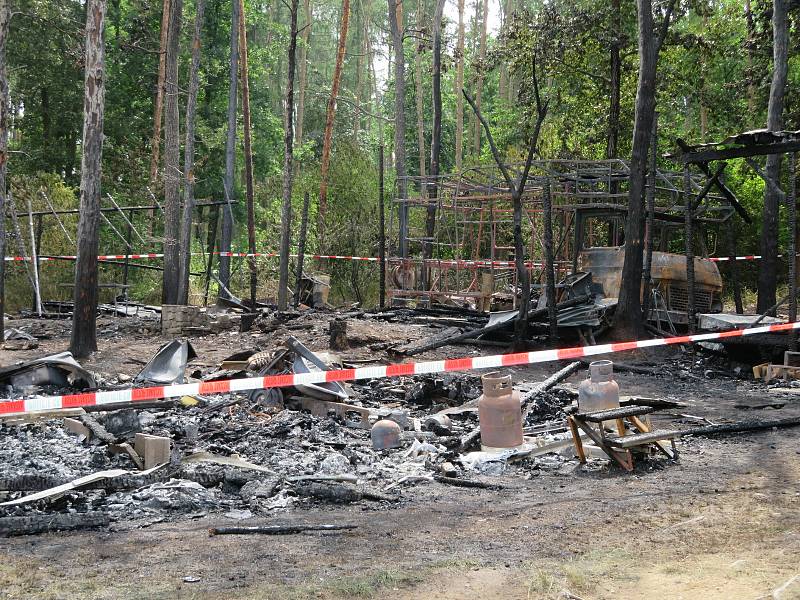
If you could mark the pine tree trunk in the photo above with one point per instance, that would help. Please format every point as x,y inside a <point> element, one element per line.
<point>459,86</point>
<point>375,92</point>
<point>5,16</point>
<point>750,43</point>
<point>396,29</point>
<point>768,271</point>
<point>479,85</point>
<point>230,154</point>
<point>248,157</point>
<point>628,319</point>
<point>84,315</point>
<point>371,107</point>
<point>286,208</point>
<point>418,90</point>
<point>188,156</point>
<point>436,134</point>
<point>704,64</point>
<point>155,141</point>
<point>612,149</point>
<point>172,157</point>
<point>357,92</point>
<point>502,85</point>
<point>303,72</point>
<point>327,139</point>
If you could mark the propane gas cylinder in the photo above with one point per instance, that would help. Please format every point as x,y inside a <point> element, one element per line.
<point>600,391</point>
<point>499,413</point>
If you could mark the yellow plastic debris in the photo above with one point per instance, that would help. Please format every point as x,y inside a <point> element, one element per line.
<point>189,401</point>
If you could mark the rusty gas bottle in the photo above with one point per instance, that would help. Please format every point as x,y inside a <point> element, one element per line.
<point>499,413</point>
<point>385,434</point>
<point>600,391</point>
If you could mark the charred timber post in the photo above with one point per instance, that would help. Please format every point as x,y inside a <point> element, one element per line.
<point>650,222</point>
<point>578,240</point>
<point>212,242</point>
<point>689,249</point>
<point>792,201</point>
<point>732,268</point>
<point>301,249</point>
<point>547,209</point>
<point>381,231</point>
<point>248,158</point>
<point>129,239</point>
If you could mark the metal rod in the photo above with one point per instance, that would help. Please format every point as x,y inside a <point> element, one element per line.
<point>690,316</point>
<point>130,225</point>
<point>301,248</point>
<point>115,230</point>
<point>127,258</point>
<point>381,230</point>
<point>55,214</point>
<point>37,292</point>
<point>212,241</point>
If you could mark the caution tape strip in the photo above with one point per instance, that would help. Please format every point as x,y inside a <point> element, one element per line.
<point>394,260</point>
<point>436,261</point>
<point>377,372</point>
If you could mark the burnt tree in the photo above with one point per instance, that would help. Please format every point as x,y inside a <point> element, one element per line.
<point>517,189</point>
<point>230,155</point>
<point>327,139</point>
<point>436,135</point>
<point>768,271</point>
<point>248,159</point>
<point>155,140</point>
<point>83,340</point>
<point>286,208</point>
<point>396,28</point>
<point>629,309</point>
<point>5,16</point>
<point>172,155</point>
<point>615,82</point>
<point>188,157</point>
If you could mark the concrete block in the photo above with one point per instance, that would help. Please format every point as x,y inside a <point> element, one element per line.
<point>153,449</point>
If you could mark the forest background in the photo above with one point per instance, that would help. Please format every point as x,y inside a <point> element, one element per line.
<point>714,79</point>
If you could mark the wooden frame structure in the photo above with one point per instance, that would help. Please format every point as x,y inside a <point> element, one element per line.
<point>472,250</point>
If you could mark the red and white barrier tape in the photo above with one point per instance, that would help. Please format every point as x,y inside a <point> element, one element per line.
<point>434,261</point>
<point>729,258</point>
<point>378,372</point>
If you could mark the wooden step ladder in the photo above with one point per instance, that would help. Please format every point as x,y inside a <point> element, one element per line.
<point>633,434</point>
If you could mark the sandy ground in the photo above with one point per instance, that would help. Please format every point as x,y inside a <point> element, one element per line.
<point>722,522</point>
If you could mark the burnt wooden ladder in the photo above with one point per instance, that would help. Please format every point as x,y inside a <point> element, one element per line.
<point>619,447</point>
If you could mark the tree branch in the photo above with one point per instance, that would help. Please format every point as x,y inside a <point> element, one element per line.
<point>662,32</point>
<point>497,158</point>
<point>771,184</point>
<point>541,113</point>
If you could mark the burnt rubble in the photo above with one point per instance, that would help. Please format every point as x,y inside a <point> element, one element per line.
<point>269,452</point>
<point>302,459</point>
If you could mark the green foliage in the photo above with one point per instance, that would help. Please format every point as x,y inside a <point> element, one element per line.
<point>713,80</point>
